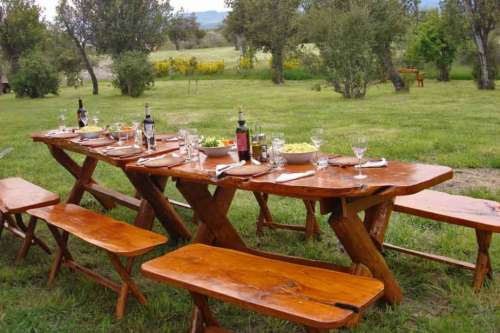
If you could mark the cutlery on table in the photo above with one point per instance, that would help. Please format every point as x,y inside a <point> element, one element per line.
<point>287,177</point>
<point>149,159</point>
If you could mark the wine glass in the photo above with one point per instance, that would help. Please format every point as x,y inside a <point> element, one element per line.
<point>317,140</point>
<point>359,147</point>
<point>95,118</point>
<point>119,128</point>
<point>62,120</point>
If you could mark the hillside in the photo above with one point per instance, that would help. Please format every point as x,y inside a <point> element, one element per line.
<point>210,19</point>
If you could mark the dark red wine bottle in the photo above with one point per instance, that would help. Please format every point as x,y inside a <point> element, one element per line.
<point>83,119</point>
<point>243,139</point>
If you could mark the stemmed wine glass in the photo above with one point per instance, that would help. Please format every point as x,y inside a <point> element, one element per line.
<point>359,147</point>
<point>62,120</point>
<point>317,139</point>
<point>95,118</point>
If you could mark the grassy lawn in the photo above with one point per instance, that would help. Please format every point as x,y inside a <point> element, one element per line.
<point>451,124</point>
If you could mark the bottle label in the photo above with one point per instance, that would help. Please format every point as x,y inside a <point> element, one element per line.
<point>242,141</point>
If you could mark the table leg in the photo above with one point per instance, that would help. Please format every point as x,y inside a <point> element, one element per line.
<point>35,240</point>
<point>357,242</point>
<point>211,212</point>
<point>265,217</point>
<point>377,220</point>
<point>62,252</point>
<point>151,190</point>
<point>483,263</point>
<point>75,170</point>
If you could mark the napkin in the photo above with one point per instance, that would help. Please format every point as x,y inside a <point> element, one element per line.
<point>375,164</point>
<point>221,168</point>
<point>286,177</point>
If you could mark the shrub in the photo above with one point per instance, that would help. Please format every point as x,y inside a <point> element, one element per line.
<point>133,73</point>
<point>245,63</point>
<point>210,67</point>
<point>35,78</point>
<point>185,67</point>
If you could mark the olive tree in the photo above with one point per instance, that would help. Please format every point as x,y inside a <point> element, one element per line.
<point>344,33</point>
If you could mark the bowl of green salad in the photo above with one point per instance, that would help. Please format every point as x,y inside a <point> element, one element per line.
<point>298,153</point>
<point>216,147</point>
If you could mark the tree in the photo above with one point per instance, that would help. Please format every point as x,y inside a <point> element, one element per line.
<point>184,27</point>
<point>389,26</point>
<point>21,29</point>
<point>66,55</point>
<point>270,25</point>
<point>343,31</point>
<point>438,38</point>
<point>74,17</point>
<point>132,25</point>
<point>483,16</point>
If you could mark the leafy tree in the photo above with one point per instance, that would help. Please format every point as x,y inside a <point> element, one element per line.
<point>389,24</point>
<point>133,73</point>
<point>270,25</point>
<point>132,25</point>
<point>36,76</point>
<point>73,17</point>
<point>437,39</point>
<point>21,29</point>
<point>184,27</point>
<point>344,33</point>
<point>66,55</point>
<point>483,17</point>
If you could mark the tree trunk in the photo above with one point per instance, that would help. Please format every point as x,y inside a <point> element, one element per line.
<point>444,73</point>
<point>277,66</point>
<point>396,79</point>
<point>88,66</point>
<point>177,45</point>
<point>484,80</point>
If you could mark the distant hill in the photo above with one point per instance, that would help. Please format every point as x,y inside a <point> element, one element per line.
<point>210,19</point>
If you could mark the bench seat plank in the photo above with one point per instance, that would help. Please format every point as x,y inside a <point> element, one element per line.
<point>455,209</point>
<point>18,195</point>
<point>302,294</point>
<point>104,232</point>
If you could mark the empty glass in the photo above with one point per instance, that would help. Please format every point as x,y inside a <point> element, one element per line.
<point>149,134</point>
<point>192,147</point>
<point>278,160</point>
<point>95,118</point>
<point>317,138</point>
<point>182,134</point>
<point>62,120</point>
<point>359,147</point>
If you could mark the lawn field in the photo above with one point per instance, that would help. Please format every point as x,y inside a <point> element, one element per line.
<point>451,124</point>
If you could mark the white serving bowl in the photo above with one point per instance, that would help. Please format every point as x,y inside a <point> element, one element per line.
<point>90,135</point>
<point>216,151</point>
<point>298,158</point>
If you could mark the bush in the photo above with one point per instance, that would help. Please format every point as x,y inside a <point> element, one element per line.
<point>185,66</point>
<point>133,73</point>
<point>35,78</point>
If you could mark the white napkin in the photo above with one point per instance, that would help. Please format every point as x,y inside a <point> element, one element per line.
<point>150,159</point>
<point>286,177</point>
<point>221,168</point>
<point>375,164</point>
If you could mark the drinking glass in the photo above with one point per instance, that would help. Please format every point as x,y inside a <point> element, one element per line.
<point>62,120</point>
<point>149,133</point>
<point>95,118</point>
<point>182,140</point>
<point>277,146</point>
<point>193,146</point>
<point>317,138</point>
<point>359,147</point>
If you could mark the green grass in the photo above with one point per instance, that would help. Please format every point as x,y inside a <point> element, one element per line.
<point>451,124</point>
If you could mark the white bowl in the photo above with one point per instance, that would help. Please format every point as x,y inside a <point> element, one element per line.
<point>298,158</point>
<point>116,134</point>
<point>216,151</point>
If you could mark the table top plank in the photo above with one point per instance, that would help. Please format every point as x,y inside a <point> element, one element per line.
<point>99,152</point>
<point>404,178</point>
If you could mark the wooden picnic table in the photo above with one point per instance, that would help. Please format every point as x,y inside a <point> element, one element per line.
<point>339,194</point>
<point>108,198</point>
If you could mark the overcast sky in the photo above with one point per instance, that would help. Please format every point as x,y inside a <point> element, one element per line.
<point>189,5</point>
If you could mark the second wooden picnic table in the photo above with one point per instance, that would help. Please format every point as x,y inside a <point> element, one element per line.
<point>339,194</point>
<point>95,152</point>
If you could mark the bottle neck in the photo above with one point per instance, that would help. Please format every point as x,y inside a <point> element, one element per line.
<point>80,104</point>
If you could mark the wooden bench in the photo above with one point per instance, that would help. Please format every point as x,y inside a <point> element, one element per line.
<point>117,238</point>
<point>481,215</point>
<point>418,75</point>
<point>317,298</point>
<point>16,197</point>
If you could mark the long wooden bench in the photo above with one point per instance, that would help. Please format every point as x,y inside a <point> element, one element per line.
<point>419,76</point>
<point>16,197</point>
<point>317,298</point>
<point>117,238</point>
<point>481,215</point>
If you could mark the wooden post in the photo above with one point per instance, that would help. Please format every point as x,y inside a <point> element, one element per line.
<point>483,263</point>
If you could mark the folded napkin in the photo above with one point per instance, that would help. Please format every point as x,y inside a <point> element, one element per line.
<point>375,164</point>
<point>221,168</point>
<point>286,177</point>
